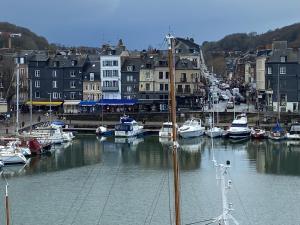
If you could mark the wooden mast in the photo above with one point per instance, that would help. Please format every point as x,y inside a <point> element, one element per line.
<point>6,205</point>
<point>174,130</point>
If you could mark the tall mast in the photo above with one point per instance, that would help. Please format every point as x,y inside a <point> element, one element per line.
<point>278,97</point>
<point>18,80</point>
<point>6,204</point>
<point>30,84</point>
<point>174,131</point>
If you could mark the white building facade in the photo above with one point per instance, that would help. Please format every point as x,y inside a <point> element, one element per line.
<point>110,71</point>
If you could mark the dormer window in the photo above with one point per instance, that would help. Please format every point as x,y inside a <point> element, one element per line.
<point>129,68</point>
<point>55,64</point>
<point>283,59</point>
<point>73,62</point>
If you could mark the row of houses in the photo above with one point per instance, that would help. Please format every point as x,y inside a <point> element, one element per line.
<point>115,73</point>
<point>273,73</point>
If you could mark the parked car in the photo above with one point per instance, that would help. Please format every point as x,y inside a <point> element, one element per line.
<point>230,105</point>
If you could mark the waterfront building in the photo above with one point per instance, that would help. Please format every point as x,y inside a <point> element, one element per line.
<point>91,79</point>
<point>154,81</point>
<point>189,88</point>
<point>110,70</point>
<point>282,78</point>
<point>130,77</point>
<point>261,93</point>
<point>56,79</point>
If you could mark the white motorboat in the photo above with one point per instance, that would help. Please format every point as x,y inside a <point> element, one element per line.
<point>239,128</point>
<point>191,128</point>
<point>128,127</point>
<point>215,132</point>
<point>294,133</point>
<point>166,130</point>
<point>8,157</point>
<point>103,131</point>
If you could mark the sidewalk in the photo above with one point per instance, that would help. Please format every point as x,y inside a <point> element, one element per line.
<point>9,127</point>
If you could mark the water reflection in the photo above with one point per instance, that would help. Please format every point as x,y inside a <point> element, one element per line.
<point>279,157</point>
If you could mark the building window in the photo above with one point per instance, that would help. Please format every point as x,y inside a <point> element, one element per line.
<point>161,75</point>
<point>167,75</point>
<point>92,76</point>
<point>147,75</point>
<point>86,87</point>
<point>147,87</point>
<point>179,89</point>
<point>269,70</point>
<point>115,73</point>
<point>129,68</point>
<point>73,62</point>
<point>72,95</point>
<point>183,77</point>
<point>282,70</point>
<point>283,100</point>
<point>161,87</point>
<point>54,73</point>
<point>166,87</point>
<point>72,73</point>
<point>37,94</point>
<point>37,73</point>
<point>37,83</point>
<point>129,89</point>
<point>54,84</point>
<point>72,84</point>
<point>283,59</point>
<point>22,71</point>
<point>55,64</point>
<point>129,78</point>
<point>1,84</point>
<point>115,63</point>
<point>55,95</point>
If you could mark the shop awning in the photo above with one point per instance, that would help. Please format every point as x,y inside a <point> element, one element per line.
<point>87,103</point>
<point>117,102</point>
<point>70,102</point>
<point>40,103</point>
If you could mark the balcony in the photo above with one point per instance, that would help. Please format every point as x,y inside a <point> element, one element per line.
<point>109,89</point>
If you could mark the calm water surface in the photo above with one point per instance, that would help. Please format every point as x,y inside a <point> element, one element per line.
<point>117,181</point>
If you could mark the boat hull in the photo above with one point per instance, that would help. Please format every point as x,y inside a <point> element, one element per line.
<point>239,135</point>
<point>190,134</point>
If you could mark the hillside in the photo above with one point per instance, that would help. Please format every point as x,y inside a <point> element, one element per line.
<point>29,40</point>
<point>252,41</point>
<point>246,42</point>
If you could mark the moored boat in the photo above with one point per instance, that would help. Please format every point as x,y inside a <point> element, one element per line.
<point>277,133</point>
<point>294,133</point>
<point>239,128</point>
<point>191,128</point>
<point>103,131</point>
<point>258,133</point>
<point>128,127</point>
<point>166,130</point>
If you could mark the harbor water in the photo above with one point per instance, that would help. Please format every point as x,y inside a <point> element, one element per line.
<point>113,181</point>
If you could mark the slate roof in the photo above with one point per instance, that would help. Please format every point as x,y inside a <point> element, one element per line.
<point>132,61</point>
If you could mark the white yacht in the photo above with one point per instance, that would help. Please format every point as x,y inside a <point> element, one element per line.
<point>191,128</point>
<point>166,130</point>
<point>239,128</point>
<point>128,127</point>
<point>8,157</point>
<point>294,132</point>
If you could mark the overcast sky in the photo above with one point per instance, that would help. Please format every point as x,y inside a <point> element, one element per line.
<point>141,23</point>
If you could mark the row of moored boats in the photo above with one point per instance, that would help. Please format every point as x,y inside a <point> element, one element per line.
<point>16,150</point>
<point>239,129</point>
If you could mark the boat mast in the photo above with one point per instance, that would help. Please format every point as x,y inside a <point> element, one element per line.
<point>17,83</point>
<point>30,83</point>
<point>6,204</point>
<point>278,97</point>
<point>174,131</point>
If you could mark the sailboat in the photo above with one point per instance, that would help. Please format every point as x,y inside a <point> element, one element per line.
<point>102,130</point>
<point>214,131</point>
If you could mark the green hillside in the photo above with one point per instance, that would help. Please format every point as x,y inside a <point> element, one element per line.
<point>29,40</point>
<point>252,41</point>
